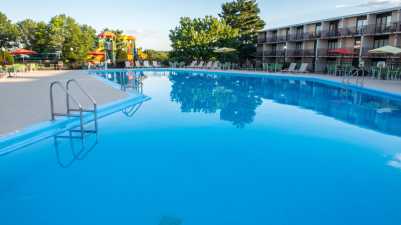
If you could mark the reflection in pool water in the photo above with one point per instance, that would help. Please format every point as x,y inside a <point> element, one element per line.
<point>237,98</point>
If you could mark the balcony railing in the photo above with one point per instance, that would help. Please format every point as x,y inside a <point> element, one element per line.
<point>325,52</point>
<point>261,40</point>
<point>301,52</point>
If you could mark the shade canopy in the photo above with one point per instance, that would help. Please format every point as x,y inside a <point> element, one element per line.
<point>386,50</point>
<point>225,50</point>
<point>341,51</point>
<point>22,51</point>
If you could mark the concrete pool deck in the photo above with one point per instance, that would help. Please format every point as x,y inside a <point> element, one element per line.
<point>24,100</point>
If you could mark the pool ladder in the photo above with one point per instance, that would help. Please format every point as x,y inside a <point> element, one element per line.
<point>70,111</point>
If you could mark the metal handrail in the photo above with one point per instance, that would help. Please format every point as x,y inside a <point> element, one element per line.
<point>86,94</point>
<point>80,109</point>
<point>58,83</point>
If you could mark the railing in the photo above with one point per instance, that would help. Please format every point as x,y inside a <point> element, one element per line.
<point>325,52</point>
<point>69,110</point>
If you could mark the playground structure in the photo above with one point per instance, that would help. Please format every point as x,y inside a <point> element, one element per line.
<point>112,47</point>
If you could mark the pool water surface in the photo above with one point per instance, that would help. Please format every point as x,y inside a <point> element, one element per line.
<point>217,149</point>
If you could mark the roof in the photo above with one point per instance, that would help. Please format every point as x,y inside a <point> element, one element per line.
<point>335,18</point>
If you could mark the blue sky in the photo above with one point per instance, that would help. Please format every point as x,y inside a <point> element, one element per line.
<point>151,20</point>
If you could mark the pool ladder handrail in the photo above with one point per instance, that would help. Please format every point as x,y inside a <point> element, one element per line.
<point>80,108</point>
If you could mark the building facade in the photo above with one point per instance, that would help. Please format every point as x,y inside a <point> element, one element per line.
<point>316,42</point>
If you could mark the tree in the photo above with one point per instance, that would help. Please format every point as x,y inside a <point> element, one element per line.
<point>244,16</point>
<point>70,39</point>
<point>27,29</point>
<point>8,32</point>
<point>197,38</point>
<point>153,55</point>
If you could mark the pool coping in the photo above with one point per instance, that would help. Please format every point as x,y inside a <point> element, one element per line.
<point>43,130</point>
<point>305,76</point>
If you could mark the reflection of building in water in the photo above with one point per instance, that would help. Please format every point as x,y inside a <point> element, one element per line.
<point>70,147</point>
<point>237,97</point>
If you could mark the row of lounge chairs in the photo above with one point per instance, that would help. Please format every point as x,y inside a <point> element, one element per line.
<point>293,68</point>
<point>144,64</point>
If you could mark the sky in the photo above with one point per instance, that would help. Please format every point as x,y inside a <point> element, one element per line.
<point>151,20</point>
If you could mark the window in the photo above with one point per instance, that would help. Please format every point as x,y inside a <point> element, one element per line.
<point>298,46</point>
<point>332,44</point>
<point>318,29</point>
<point>333,27</point>
<point>380,42</point>
<point>361,24</point>
<point>299,32</point>
<point>383,22</point>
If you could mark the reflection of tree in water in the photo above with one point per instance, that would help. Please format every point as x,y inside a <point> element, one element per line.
<point>238,97</point>
<point>234,97</point>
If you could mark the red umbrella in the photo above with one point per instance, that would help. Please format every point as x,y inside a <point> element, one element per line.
<point>341,51</point>
<point>22,51</point>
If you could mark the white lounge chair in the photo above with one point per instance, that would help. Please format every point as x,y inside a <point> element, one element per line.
<point>292,68</point>
<point>138,63</point>
<point>200,65</point>
<point>146,64</point>
<point>216,65</point>
<point>193,64</point>
<point>209,65</point>
<point>156,64</point>
<point>303,68</point>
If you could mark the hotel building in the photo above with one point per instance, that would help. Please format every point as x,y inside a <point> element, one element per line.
<point>315,42</point>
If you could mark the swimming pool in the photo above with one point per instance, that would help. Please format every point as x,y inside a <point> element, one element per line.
<point>214,149</point>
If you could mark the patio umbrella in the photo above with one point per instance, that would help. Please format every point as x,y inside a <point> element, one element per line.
<point>386,50</point>
<point>224,51</point>
<point>22,51</point>
<point>390,50</point>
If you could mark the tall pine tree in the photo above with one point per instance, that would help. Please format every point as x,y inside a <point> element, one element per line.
<point>244,16</point>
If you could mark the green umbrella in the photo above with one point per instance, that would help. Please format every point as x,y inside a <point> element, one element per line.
<point>225,51</point>
<point>386,50</point>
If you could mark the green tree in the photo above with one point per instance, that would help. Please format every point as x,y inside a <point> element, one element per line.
<point>69,38</point>
<point>153,55</point>
<point>8,32</point>
<point>197,38</point>
<point>27,29</point>
<point>244,16</point>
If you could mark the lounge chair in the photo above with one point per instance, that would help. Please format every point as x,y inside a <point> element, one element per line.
<point>292,68</point>
<point>128,64</point>
<point>156,64</point>
<point>138,63</point>
<point>209,65</point>
<point>216,65</point>
<point>200,65</point>
<point>193,64</point>
<point>146,64</point>
<point>303,68</point>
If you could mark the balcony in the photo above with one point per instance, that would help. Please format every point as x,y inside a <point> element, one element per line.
<point>312,35</point>
<point>301,53</point>
<point>325,52</point>
<point>274,53</point>
<point>297,37</point>
<point>261,40</point>
<point>383,29</point>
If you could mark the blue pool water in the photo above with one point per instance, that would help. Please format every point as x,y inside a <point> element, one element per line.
<point>217,149</point>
